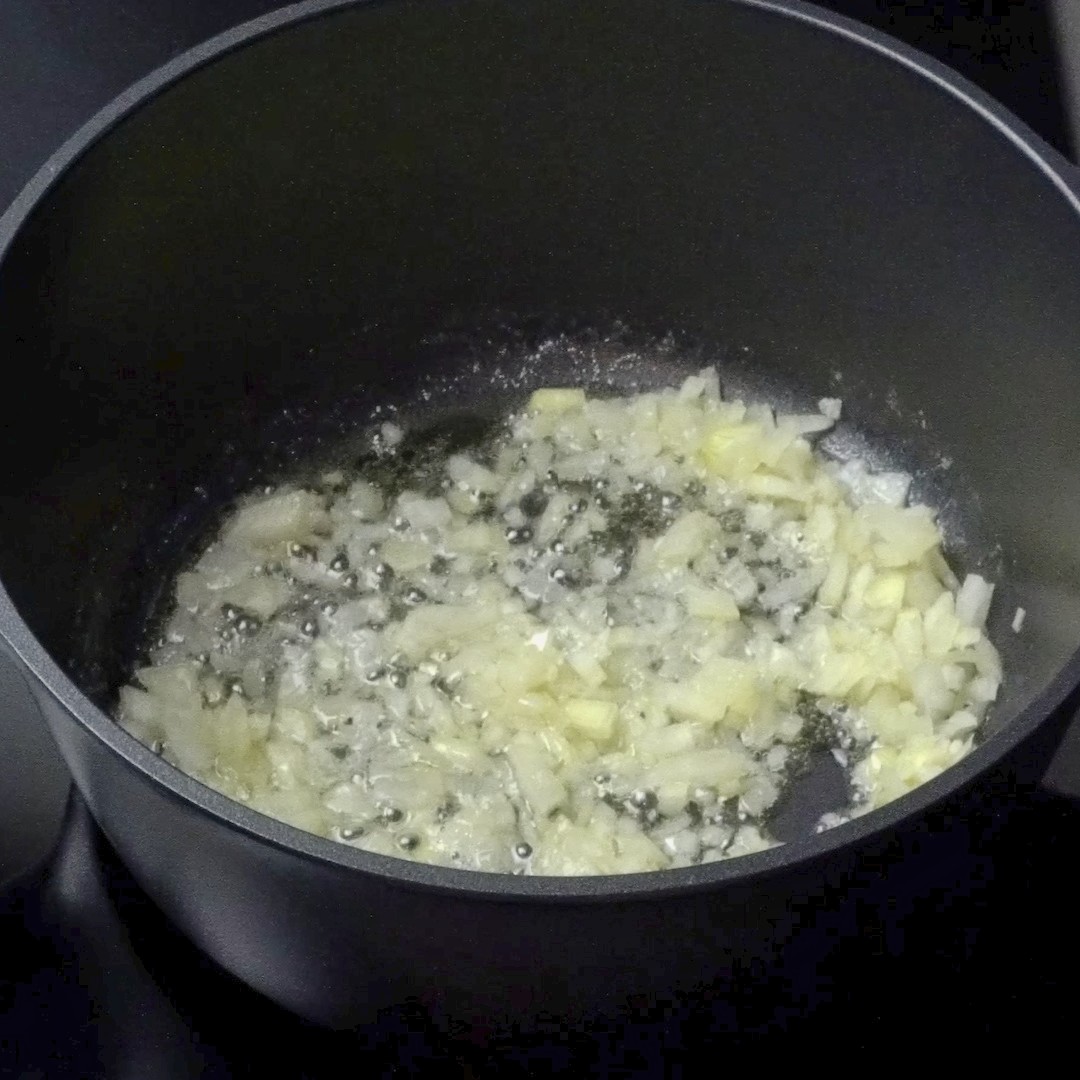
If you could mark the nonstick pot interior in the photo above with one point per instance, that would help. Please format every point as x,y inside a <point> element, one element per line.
<point>398,195</point>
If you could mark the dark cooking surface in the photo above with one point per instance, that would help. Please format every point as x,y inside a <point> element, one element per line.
<point>984,967</point>
<point>979,962</point>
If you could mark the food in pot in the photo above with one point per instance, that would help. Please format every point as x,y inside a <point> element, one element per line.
<point>603,640</point>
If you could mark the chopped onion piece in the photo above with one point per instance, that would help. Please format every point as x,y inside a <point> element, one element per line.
<point>973,601</point>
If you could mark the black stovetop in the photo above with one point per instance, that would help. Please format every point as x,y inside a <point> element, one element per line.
<point>94,982</point>
<point>100,985</point>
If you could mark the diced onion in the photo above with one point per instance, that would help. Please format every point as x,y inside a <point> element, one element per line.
<point>600,642</point>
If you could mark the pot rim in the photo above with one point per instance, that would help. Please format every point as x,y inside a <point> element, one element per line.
<point>50,679</point>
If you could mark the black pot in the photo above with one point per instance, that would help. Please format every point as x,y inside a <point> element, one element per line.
<point>256,241</point>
